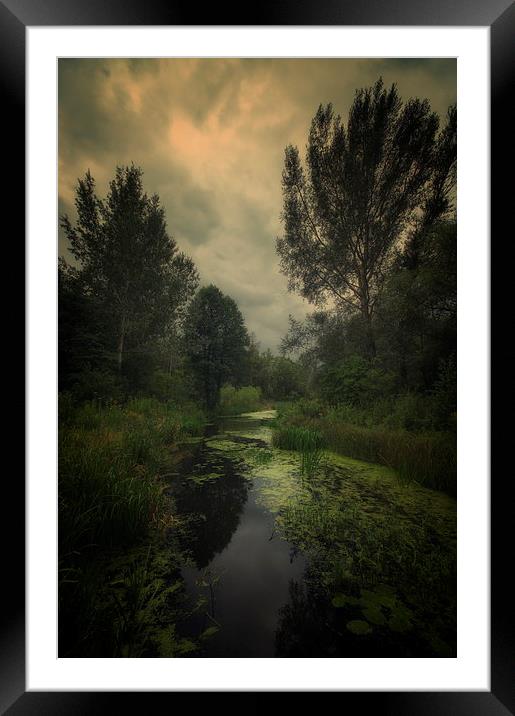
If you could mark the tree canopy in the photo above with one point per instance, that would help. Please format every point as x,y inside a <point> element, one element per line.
<point>385,175</point>
<point>216,339</point>
<point>127,260</point>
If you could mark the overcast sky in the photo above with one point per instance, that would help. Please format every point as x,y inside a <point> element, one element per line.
<point>210,135</point>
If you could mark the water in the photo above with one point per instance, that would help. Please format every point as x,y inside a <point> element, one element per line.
<point>243,568</point>
<point>287,564</point>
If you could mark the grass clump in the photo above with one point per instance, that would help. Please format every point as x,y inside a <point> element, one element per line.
<point>293,437</point>
<point>310,444</point>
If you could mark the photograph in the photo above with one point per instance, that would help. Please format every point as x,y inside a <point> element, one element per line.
<point>257,357</point>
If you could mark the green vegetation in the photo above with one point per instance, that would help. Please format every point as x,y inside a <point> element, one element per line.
<point>353,468</point>
<point>111,502</point>
<point>426,458</point>
<point>215,339</point>
<point>382,556</point>
<point>234,401</point>
<point>308,442</point>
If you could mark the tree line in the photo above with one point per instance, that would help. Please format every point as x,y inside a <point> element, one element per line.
<point>369,238</point>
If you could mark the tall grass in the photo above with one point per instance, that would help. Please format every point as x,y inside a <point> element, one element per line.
<point>429,459</point>
<point>293,437</point>
<point>309,443</point>
<point>110,496</point>
<point>109,461</point>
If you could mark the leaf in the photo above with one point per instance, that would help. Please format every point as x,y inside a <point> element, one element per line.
<point>185,646</point>
<point>210,631</point>
<point>342,600</point>
<point>369,598</point>
<point>359,627</point>
<point>400,620</point>
<point>374,615</point>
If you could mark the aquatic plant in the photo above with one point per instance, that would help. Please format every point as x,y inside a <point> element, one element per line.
<point>308,442</point>
<point>292,437</point>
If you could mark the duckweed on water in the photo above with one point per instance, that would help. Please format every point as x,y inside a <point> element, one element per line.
<point>363,531</point>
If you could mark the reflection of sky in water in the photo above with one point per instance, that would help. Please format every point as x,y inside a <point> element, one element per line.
<point>268,599</point>
<point>256,572</point>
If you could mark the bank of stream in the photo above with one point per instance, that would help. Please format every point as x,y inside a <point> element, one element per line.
<point>341,561</point>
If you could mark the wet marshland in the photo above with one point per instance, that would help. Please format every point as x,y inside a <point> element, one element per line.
<point>336,560</point>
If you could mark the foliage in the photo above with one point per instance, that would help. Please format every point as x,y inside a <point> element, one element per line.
<point>354,381</point>
<point>127,264</point>
<point>385,174</point>
<point>216,338</point>
<point>234,401</point>
<point>111,498</point>
<point>416,318</point>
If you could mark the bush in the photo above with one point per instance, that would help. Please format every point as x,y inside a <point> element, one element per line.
<point>102,386</point>
<point>354,381</point>
<point>109,460</point>
<point>239,400</point>
<point>111,502</point>
<point>173,387</point>
<point>410,411</point>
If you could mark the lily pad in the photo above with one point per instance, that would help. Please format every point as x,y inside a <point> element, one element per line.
<point>378,598</point>
<point>374,615</point>
<point>400,620</point>
<point>342,600</point>
<point>359,627</point>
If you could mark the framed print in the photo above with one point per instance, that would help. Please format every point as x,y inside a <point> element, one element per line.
<point>270,391</point>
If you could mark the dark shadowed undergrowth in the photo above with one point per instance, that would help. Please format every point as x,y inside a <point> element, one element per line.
<point>111,459</point>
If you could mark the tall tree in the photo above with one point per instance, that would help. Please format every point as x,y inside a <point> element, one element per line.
<point>216,341</point>
<point>385,175</point>
<point>126,258</point>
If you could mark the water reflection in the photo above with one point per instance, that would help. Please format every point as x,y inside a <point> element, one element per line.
<point>212,494</point>
<point>245,587</point>
<point>242,568</point>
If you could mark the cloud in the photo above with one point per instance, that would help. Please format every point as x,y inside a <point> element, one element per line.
<point>210,135</point>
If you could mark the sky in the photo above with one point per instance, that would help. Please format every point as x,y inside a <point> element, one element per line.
<point>209,135</point>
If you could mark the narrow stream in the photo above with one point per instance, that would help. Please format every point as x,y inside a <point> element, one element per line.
<point>344,562</point>
<point>243,569</point>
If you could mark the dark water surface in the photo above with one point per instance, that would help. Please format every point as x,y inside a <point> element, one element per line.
<point>243,568</point>
<point>343,561</point>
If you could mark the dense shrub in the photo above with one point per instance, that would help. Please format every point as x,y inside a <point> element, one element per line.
<point>354,381</point>
<point>240,400</point>
<point>175,387</point>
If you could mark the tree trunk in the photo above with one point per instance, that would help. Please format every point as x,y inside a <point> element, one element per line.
<point>121,341</point>
<point>370,340</point>
<point>370,344</point>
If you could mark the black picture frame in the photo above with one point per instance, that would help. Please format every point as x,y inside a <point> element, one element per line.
<point>499,15</point>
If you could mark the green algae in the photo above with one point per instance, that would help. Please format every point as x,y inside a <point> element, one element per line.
<point>261,415</point>
<point>229,446</point>
<point>205,477</point>
<point>362,531</point>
